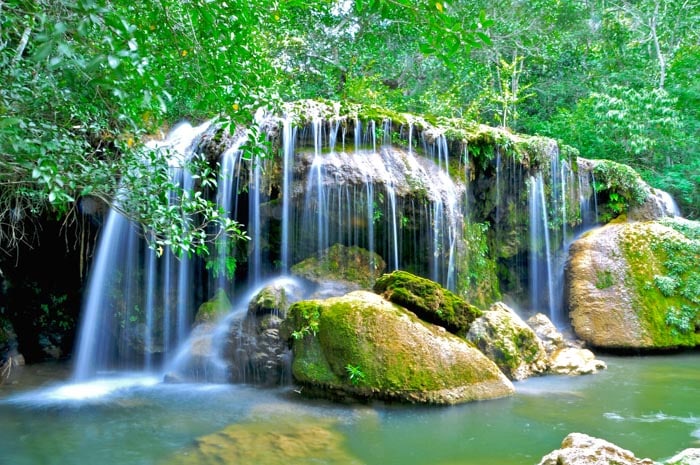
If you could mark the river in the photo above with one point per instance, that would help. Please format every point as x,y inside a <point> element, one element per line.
<point>647,404</point>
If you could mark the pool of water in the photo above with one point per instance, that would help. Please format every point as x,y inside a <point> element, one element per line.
<point>646,404</point>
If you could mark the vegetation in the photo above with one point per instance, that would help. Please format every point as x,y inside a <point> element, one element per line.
<point>428,300</point>
<point>83,82</point>
<point>664,277</point>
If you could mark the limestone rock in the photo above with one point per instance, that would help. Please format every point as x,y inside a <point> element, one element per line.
<point>427,299</point>
<point>574,361</point>
<point>634,285</point>
<point>362,346</point>
<point>685,457</point>
<point>551,338</point>
<point>581,449</point>
<point>658,204</point>
<point>505,338</point>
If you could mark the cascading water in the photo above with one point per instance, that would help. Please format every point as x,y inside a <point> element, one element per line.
<point>131,314</point>
<point>404,206</point>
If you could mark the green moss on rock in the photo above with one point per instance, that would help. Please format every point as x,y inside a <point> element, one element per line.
<point>652,297</point>
<point>399,356</point>
<point>427,299</point>
<point>663,262</point>
<point>213,309</point>
<point>342,263</point>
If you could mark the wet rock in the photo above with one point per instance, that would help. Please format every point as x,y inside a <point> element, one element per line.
<point>685,457</point>
<point>427,299</point>
<point>658,204</point>
<point>213,309</point>
<point>581,449</point>
<point>574,361</point>
<point>362,346</point>
<point>551,338</point>
<point>505,338</point>
<point>289,440</point>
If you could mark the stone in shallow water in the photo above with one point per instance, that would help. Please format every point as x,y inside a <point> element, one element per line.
<point>288,440</point>
<point>581,449</point>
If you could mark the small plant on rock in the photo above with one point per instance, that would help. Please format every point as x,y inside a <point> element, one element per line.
<point>355,374</point>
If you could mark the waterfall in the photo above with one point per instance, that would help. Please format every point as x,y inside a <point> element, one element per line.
<point>540,268</point>
<point>128,315</point>
<point>400,203</point>
<point>288,140</point>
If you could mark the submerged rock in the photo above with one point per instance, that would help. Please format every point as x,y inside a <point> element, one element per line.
<point>581,449</point>
<point>636,285</point>
<point>362,346</point>
<point>505,338</point>
<point>427,299</point>
<point>290,440</point>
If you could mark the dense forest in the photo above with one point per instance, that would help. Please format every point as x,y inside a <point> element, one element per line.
<point>84,82</point>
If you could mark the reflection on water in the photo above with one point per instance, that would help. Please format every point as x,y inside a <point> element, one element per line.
<point>645,404</point>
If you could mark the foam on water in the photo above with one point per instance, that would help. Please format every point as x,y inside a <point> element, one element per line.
<point>97,389</point>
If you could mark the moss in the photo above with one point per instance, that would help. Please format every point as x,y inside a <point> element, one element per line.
<point>215,308</point>
<point>663,277</point>
<point>342,263</point>
<point>384,343</point>
<point>622,185</point>
<point>428,300</point>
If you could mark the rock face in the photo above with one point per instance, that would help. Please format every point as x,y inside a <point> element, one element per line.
<point>636,285</point>
<point>341,263</point>
<point>581,449</point>
<point>362,346</point>
<point>427,299</point>
<point>505,338</point>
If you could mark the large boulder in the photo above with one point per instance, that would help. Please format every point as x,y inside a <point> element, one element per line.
<point>362,346</point>
<point>427,299</point>
<point>581,449</point>
<point>505,338</point>
<point>637,285</point>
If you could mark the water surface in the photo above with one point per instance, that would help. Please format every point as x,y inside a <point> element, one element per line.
<point>646,404</point>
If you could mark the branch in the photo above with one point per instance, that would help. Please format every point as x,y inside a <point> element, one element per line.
<point>22,44</point>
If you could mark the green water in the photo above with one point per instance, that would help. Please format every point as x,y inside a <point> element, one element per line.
<point>649,405</point>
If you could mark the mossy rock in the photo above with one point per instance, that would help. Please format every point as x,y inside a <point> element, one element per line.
<point>427,299</point>
<point>507,340</point>
<point>277,438</point>
<point>365,347</point>
<point>637,285</point>
<point>342,263</point>
<point>214,308</point>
